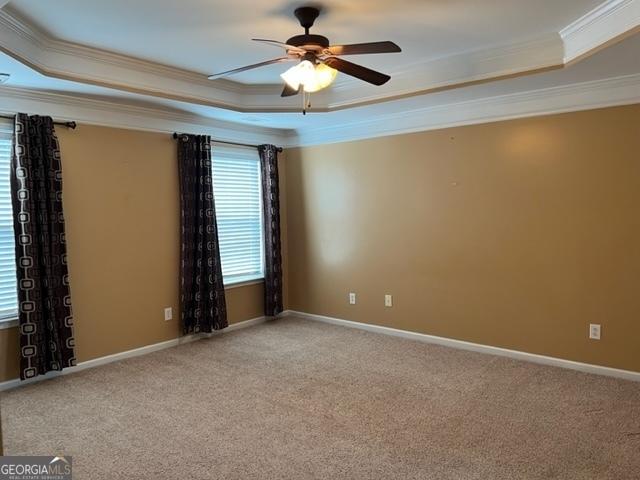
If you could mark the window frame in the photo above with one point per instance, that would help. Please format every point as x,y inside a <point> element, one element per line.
<point>242,153</point>
<point>11,319</point>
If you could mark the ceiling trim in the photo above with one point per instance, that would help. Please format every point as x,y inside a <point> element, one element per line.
<point>64,60</point>
<point>541,53</point>
<point>89,110</point>
<point>623,90</point>
<point>568,98</point>
<point>68,61</point>
<point>608,22</point>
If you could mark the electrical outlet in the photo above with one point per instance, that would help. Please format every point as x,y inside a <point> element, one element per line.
<point>388,301</point>
<point>168,313</point>
<point>352,298</point>
<point>594,331</point>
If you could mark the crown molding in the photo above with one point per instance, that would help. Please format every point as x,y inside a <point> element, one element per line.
<point>88,110</point>
<point>567,98</point>
<point>93,111</point>
<point>68,61</point>
<point>65,60</point>
<point>608,22</point>
<point>418,78</point>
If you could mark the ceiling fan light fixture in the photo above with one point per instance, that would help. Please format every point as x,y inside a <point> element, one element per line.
<point>323,77</point>
<point>312,77</point>
<point>300,74</point>
<point>319,60</point>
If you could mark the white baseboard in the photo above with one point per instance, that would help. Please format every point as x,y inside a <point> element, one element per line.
<point>9,384</point>
<point>447,342</point>
<point>474,347</point>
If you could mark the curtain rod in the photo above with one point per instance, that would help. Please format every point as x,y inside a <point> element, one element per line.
<point>176,135</point>
<point>71,125</point>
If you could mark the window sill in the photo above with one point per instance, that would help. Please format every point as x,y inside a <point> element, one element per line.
<point>243,283</point>
<point>8,323</point>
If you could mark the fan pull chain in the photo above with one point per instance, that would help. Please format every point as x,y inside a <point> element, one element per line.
<point>306,102</point>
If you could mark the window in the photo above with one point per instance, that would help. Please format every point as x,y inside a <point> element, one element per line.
<point>238,197</point>
<point>8,292</point>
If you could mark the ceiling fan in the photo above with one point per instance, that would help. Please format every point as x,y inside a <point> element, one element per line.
<point>318,62</point>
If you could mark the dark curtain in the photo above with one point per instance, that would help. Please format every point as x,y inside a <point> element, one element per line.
<point>271,213</point>
<point>45,318</point>
<point>202,302</point>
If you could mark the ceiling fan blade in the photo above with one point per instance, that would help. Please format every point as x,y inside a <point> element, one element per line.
<point>276,43</point>
<point>289,92</point>
<point>364,48</point>
<point>248,67</point>
<point>358,71</point>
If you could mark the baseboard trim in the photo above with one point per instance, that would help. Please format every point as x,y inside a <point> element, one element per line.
<point>474,347</point>
<point>136,352</point>
<point>422,337</point>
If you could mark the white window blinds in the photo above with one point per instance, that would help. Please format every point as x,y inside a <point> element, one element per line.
<point>8,293</point>
<point>238,197</point>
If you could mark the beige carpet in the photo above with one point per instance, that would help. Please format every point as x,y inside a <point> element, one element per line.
<point>294,399</point>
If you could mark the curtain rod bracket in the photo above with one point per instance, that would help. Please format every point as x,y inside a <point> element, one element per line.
<point>177,135</point>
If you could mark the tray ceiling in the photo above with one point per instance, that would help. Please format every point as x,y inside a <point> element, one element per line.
<point>206,36</point>
<point>164,48</point>
<point>463,61</point>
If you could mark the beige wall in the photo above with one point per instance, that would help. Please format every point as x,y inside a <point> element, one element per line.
<point>122,217</point>
<point>9,354</point>
<point>515,234</point>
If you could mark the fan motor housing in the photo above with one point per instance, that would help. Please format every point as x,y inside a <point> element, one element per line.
<point>310,42</point>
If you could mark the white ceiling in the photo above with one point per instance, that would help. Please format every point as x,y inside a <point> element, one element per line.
<point>207,36</point>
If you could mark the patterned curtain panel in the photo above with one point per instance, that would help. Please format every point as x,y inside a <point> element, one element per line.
<point>271,213</point>
<point>45,318</point>
<point>202,302</point>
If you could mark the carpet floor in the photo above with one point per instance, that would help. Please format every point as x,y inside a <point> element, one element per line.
<point>296,399</point>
